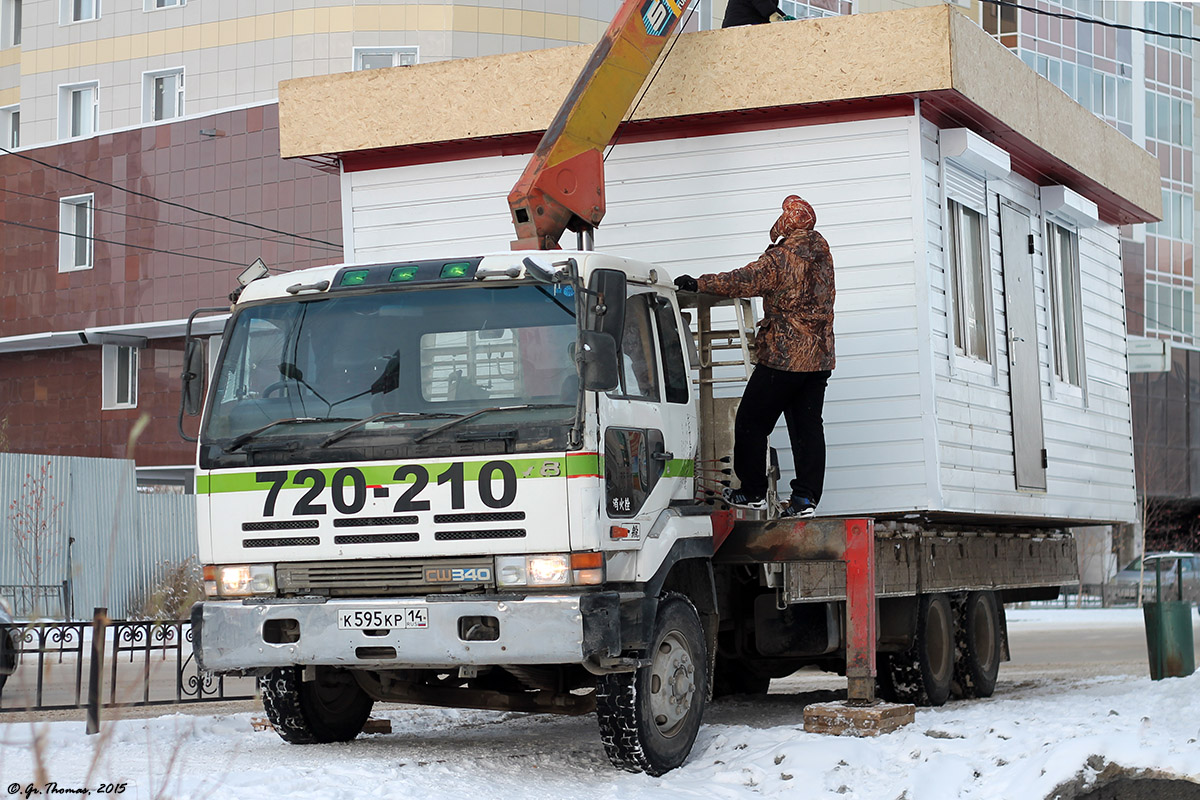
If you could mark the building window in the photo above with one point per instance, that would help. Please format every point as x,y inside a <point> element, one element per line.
<point>383,57</point>
<point>75,233</point>
<point>10,127</point>
<point>154,5</point>
<point>10,23</point>
<point>969,281</point>
<point>1066,322</point>
<point>1001,22</point>
<point>78,110</point>
<point>119,376</point>
<point>78,11</point>
<point>162,95</point>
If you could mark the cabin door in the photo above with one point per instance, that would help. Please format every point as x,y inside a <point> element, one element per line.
<point>1020,309</point>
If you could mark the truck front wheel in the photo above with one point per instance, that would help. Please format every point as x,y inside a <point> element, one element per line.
<point>922,674</point>
<point>330,708</point>
<point>649,718</point>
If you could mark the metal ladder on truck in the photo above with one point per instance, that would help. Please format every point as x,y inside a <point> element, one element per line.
<point>724,356</point>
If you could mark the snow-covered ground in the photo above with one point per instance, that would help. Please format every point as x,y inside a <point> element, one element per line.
<point>1035,735</point>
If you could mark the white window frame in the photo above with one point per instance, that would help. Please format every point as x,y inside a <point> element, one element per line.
<point>1066,312</point>
<point>956,271</point>
<point>113,383</point>
<point>66,11</point>
<point>66,94</point>
<point>10,24</point>
<point>160,5</point>
<point>69,241</point>
<point>10,127</point>
<point>149,92</point>
<point>393,51</point>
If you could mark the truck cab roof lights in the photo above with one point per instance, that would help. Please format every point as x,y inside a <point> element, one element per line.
<point>383,275</point>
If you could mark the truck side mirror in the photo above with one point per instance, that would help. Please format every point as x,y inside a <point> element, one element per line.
<point>193,377</point>
<point>597,355</point>
<point>606,304</point>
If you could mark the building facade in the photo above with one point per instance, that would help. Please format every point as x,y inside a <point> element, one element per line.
<point>110,242</point>
<point>70,69</point>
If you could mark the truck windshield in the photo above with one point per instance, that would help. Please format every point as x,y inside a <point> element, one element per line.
<point>423,356</point>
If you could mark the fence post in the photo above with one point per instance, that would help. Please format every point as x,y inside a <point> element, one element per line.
<point>96,669</point>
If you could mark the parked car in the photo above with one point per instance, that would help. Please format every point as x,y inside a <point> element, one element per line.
<point>1124,585</point>
<point>10,651</point>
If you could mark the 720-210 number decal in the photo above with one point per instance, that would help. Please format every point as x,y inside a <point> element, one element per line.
<point>348,488</point>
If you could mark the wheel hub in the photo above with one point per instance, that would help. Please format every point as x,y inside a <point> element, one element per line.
<point>672,683</point>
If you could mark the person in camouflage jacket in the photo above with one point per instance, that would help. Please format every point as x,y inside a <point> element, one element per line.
<point>795,355</point>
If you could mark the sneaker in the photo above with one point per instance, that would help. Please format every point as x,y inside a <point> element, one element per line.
<point>736,497</point>
<point>801,508</point>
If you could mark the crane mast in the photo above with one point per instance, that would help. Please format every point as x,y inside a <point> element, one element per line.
<point>562,187</point>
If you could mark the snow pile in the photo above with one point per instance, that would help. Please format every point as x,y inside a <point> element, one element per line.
<point>1030,739</point>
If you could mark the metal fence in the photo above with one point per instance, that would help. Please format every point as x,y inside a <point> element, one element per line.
<point>145,663</point>
<point>82,522</point>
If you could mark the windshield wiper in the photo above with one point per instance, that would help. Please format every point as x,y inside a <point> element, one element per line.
<point>358,423</point>
<point>245,437</point>
<point>480,412</point>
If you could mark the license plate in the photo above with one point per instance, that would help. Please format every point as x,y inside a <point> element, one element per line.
<point>373,619</point>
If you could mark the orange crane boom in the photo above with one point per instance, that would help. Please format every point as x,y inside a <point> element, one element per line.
<point>562,187</point>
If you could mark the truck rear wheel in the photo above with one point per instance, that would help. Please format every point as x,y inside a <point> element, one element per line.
<point>922,674</point>
<point>331,708</point>
<point>977,656</point>
<point>649,717</point>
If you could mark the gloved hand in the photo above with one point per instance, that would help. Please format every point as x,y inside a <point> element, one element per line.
<point>781,17</point>
<point>686,283</point>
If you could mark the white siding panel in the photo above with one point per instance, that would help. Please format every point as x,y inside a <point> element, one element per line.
<point>1087,434</point>
<point>911,425</point>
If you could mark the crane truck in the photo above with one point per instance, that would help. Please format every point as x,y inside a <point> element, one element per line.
<point>486,481</point>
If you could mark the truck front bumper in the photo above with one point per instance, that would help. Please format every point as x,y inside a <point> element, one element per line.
<point>235,636</point>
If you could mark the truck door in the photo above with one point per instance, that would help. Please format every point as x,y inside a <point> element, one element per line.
<point>647,430</point>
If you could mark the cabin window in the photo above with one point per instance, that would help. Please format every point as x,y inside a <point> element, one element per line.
<point>969,281</point>
<point>639,366</point>
<point>1066,323</point>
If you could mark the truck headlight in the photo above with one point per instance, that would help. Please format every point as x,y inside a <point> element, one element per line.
<point>239,580</point>
<point>550,569</point>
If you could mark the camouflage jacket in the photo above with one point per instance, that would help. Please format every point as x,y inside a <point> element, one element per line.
<point>795,279</point>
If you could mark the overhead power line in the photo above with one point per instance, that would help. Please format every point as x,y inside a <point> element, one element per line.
<point>127,215</point>
<point>118,243</point>
<point>167,202</point>
<point>670,46</point>
<point>1089,20</point>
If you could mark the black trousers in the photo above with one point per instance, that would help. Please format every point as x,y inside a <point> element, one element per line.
<point>799,397</point>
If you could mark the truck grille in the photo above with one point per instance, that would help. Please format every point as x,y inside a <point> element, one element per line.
<point>377,577</point>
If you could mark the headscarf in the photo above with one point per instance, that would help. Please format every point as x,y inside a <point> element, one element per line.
<point>797,215</point>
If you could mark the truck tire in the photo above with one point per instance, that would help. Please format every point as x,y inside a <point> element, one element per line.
<point>977,645</point>
<point>922,674</point>
<point>332,708</point>
<point>649,717</point>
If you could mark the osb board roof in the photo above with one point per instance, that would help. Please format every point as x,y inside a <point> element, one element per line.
<point>826,66</point>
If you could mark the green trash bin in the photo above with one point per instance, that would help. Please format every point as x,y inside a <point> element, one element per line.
<point>1169,625</point>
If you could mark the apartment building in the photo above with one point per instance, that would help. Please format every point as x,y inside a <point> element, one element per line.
<point>74,68</point>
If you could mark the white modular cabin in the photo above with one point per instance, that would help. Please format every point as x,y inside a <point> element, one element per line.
<point>979,322</point>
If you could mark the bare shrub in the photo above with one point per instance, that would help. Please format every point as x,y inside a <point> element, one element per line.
<point>176,588</point>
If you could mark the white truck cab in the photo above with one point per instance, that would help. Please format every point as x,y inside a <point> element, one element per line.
<point>461,480</point>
